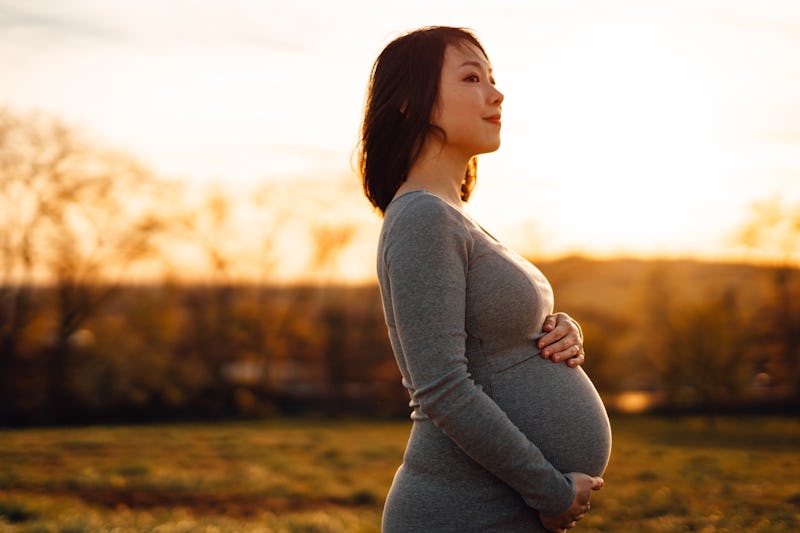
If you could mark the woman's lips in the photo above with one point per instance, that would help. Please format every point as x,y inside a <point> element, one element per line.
<point>494,119</point>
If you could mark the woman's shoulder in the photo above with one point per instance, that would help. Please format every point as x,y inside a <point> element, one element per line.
<point>420,206</point>
<point>422,218</point>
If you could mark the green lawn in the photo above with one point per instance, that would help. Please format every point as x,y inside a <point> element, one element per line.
<point>739,475</point>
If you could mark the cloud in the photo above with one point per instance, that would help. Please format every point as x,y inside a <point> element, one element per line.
<point>147,22</point>
<point>51,23</point>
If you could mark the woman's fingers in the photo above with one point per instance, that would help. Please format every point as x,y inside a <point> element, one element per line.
<point>566,348</point>
<point>576,361</point>
<point>562,340</point>
<point>555,327</point>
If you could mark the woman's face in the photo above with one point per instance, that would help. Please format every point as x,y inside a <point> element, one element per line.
<point>468,108</point>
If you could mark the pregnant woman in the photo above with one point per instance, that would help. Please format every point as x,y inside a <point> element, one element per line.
<point>505,437</point>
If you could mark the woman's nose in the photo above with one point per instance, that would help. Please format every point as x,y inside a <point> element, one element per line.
<point>497,97</point>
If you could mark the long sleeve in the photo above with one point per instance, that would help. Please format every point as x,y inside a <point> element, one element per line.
<point>425,264</point>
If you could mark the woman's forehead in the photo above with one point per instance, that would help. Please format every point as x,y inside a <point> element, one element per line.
<point>465,53</point>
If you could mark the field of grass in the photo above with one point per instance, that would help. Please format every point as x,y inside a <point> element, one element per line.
<point>738,475</point>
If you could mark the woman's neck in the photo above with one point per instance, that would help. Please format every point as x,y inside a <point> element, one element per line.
<point>438,174</point>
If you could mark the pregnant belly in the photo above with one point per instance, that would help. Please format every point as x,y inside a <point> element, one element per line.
<point>559,410</point>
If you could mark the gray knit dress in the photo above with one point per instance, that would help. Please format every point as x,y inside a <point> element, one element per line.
<point>495,426</point>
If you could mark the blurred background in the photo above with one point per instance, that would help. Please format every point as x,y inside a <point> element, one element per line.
<point>183,235</point>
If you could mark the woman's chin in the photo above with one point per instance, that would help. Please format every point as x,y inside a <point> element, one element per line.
<point>489,148</point>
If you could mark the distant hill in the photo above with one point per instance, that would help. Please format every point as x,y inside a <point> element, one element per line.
<point>617,285</point>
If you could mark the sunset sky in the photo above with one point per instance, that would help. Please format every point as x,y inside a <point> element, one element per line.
<point>629,127</point>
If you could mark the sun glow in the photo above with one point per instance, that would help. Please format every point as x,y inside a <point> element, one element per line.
<point>632,135</point>
<point>639,143</point>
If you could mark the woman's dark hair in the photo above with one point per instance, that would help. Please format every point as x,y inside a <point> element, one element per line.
<point>402,93</point>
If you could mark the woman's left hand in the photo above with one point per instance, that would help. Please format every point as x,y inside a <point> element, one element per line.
<point>562,341</point>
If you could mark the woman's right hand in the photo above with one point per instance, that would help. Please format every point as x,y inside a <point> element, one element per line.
<point>584,485</point>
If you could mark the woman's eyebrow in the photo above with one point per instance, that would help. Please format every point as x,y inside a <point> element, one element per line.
<point>475,64</point>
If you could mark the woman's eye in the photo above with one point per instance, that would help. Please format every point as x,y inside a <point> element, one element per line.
<point>472,78</point>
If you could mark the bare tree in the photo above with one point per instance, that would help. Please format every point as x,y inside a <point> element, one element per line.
<point>698,351</point>
<point>74,216</point>
<point>773,230</point>
<point>329,243</point>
